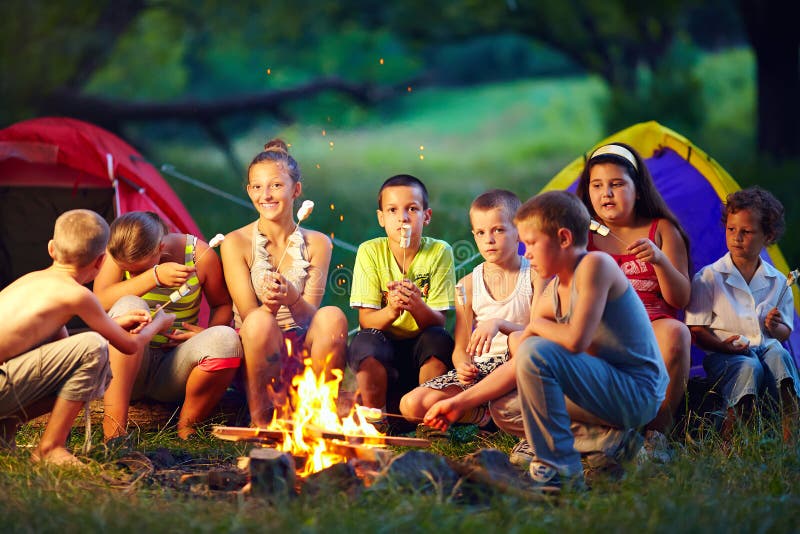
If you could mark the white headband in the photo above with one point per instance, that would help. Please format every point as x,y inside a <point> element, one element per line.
<point>616,150</point>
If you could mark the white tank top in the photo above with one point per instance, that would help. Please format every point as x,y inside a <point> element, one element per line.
<point>516,307</point>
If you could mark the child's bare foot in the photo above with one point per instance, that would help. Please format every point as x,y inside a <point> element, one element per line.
<point>56,456</point>
<point>186,431</point>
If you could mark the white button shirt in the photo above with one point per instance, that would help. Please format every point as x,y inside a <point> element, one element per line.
<point>724,302</point>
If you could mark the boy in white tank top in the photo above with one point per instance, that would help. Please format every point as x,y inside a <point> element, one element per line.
<point>491,302</point>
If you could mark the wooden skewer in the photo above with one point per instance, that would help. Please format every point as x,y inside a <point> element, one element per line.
<point>790,280</point>
<point>232,433</point>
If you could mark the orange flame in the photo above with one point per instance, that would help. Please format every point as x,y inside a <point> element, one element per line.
<point>311,408</point>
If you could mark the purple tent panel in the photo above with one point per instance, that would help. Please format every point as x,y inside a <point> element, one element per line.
<point>697,206</point>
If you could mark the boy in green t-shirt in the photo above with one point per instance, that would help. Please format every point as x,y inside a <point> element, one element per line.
<point>402,286</point>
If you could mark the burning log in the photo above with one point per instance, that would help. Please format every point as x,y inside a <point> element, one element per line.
<point>265,435</point>
<point>307,425</point>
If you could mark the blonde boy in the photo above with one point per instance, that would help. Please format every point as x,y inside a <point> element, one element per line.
<point>589,354</point>
<point>402,286</point>
<point>497,301</point>
<point>42,368</point>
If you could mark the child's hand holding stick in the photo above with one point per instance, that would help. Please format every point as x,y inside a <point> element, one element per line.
<point>790,280</point>
<point>467,372</point>
<point>185,288</point>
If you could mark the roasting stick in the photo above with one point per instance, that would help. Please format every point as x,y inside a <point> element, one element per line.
<point>302,214</point>
<point>232,433</point>
<point>790,280</point>
<point>461,297</point>
<point>603,230</point>
<point>365,412</point>
<point>405,242</point>
<point>185,288</point>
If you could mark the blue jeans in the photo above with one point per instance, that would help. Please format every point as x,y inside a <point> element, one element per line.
<point>737,375</point>
<point>547,372</point>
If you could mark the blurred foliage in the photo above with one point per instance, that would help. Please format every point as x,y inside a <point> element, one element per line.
<point>495,58</point>
<point>668,94</point>
<point>40,46</point>
<point>147,63</point>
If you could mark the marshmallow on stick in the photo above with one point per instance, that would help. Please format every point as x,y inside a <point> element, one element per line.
<point>185,288</point>
<point>305,210</point>
<point>376,414</point>
<point>405,235</point>
<point>215,242</point>
<point>405,242</point>
<point>790,279</point>
<point>461,298</point>
<point>175,296</point>
<point>603,230</point>
<point>302,214</point>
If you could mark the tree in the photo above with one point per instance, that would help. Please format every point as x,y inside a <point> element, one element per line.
<point>772,30</point>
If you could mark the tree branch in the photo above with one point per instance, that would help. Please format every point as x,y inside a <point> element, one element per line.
<point>103,110</point>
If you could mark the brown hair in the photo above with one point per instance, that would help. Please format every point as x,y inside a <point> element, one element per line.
<point>764,205</point>
<point>554,210</point>
<point>136,235</point>
<point>277,151</point>
<point>649,202</point>
<point>79,237</point>
<point>501,199</point>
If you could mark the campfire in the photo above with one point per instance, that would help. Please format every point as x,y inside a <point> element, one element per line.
<point>307,425</point>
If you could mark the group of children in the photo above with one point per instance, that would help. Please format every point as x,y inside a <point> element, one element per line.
<point>575,346</point>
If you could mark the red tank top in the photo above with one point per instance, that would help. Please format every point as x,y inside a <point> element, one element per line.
<point>642,276</point>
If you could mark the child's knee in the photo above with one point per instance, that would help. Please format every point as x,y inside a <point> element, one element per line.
<point>259,325</point>
<point>224,342</point>
<point>333,321</point>
<point>95,350</point>
<point>411,402</point>
<point>535,355</point>
<point>750,371</point>
<point>126,304</point>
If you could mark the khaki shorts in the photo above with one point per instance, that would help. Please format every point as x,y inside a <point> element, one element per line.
<point>164,371</point>
<point>75,369</point>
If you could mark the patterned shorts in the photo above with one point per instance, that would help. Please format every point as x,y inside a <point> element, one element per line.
<point>485,366</point>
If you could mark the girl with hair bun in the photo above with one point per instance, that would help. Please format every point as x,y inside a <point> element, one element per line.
<point>276,272</point>
<point>651,248</point>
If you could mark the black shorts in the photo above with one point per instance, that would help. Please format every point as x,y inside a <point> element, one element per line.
<point>402,358</point>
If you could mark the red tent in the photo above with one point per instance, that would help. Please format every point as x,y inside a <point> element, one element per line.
<point>51,165</point>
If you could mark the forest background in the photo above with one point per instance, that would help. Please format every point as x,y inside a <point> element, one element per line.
<point>466,95</point>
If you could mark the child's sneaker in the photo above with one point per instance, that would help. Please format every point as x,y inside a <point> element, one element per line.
<point>656,448</point>
<point>522,454</point>
<point>547,479</point>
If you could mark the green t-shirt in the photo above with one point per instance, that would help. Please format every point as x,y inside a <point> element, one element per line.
<point>431,270</point>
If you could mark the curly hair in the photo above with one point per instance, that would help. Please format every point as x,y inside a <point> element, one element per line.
<point>763,204</point>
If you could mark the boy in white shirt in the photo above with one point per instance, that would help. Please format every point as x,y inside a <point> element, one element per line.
<point>735,315</point>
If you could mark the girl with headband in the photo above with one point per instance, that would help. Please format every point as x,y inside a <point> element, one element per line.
<point>651,248</point>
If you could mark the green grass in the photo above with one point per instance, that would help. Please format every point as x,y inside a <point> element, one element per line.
<point>752,487</point>
<point>515,136</point>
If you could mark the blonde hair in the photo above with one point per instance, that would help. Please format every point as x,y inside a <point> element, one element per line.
<point>501,199</point>
<point>136,235</point>
<point>79,237</point>
<point>554,210</point>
